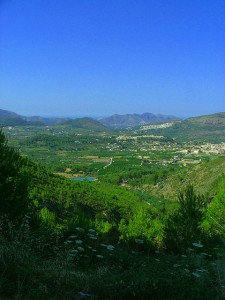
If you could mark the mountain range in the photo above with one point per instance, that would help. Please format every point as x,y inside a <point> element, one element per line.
<point>8,118</point>
<point>132,120</point>
<point>203,128</point>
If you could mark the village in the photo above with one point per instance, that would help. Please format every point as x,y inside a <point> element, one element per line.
<point>155,149</point>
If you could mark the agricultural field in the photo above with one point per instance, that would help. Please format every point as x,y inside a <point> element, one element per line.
<point>122,157</point>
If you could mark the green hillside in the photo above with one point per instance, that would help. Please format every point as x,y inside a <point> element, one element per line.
<point>203,176</point>
<point>44,120</point>
<point>8,118</point>
<point>12,122</point>
<point>86,124</point>
<point>215,119</point>
<point>127,230</point>
<point>60,238</point>
<point>209,128</point>
<point>8,114</point>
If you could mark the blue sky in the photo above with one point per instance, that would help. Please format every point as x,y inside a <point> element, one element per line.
<point>100,57</point>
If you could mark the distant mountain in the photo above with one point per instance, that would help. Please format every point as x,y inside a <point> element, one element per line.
<point>8,118</point>
<point>86,124</point>
<point>132,120</point>
<point>45,121</point>
<point>8,114</point>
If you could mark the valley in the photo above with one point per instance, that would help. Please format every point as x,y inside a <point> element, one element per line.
<point>138,202</point>
<point>126,156</point>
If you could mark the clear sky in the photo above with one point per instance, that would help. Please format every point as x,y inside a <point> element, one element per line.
<point>90,57</point>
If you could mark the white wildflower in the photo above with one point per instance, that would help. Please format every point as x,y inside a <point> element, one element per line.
<point>68,242</point>
<point>198,245</point>
<point>90,234</point>
<point>79,242</point>
<point>139,241</point>
<point>110,248</point>
<point>72,237</point>
<point>81,249</point>
<point>204,270</point>
<point>73,253</point>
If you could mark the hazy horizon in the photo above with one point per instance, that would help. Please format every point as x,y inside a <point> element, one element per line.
<point>100,116</point>
<point>61,58</point>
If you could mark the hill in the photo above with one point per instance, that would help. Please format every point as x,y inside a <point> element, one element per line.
<point>208,128</point>
<point>8,118</point>
<point>86,124</point>
<point>8,114</point>
<point>215,119</point>
<point>45,121</point>
<point>132,120</point>
<point>204,177</point>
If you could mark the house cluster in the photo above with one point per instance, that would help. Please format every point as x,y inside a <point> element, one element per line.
<point>138,137</point>
<point>157,126</point>
<point>207,148</point>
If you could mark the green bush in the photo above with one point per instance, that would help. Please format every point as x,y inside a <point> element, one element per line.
<point>214,223</point>
<point>183,226</point>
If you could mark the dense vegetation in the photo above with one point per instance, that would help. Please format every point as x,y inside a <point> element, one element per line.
<point>108,239</point>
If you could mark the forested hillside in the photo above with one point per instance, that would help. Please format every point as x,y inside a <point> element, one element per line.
<point>62,238</point>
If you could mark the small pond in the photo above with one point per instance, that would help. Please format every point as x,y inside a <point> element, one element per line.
<point>84,178</point>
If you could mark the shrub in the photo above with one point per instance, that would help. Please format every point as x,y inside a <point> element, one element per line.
<point>183,226</point>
